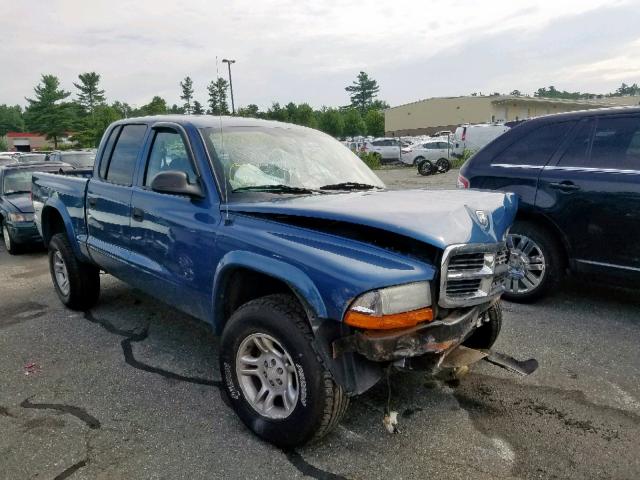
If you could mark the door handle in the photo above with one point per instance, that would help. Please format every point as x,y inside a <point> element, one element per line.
<point>137,214</point>
<point>565,186</point>
<point>92,201</point>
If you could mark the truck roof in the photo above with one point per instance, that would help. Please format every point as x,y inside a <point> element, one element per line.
<point>210,121</point>
<point>577,115</point>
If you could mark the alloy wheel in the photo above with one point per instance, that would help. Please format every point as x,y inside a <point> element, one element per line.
<point>61,273</point>
<point>527,265</point>
<point>267,376</point>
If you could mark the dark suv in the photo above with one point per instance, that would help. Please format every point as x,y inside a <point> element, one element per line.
<point>578,179</point>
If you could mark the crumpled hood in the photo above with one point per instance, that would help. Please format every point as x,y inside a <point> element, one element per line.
<point>21,202</point>
<point>437,217</point>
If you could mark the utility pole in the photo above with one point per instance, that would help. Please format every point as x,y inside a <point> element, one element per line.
<point>229,62</point>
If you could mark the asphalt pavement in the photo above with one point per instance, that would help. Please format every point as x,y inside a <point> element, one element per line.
<point>129,390</point>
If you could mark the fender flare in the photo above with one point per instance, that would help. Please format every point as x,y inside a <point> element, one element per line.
<point>59,207</point>
<point>299,282</point>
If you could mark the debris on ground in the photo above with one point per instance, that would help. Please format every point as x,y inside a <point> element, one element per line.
<point>390,421</point>
<point>31,368</point>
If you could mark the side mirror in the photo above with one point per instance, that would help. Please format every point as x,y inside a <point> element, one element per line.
<point>175,182</point>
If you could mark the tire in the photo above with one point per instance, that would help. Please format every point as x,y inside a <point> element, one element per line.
<point>534,270</point>
<point>82,288</point>
<point>319,403</point>
<point>486,334</point>
<point>425,168</point>
<point>9,244</point>
<point>443,165</point>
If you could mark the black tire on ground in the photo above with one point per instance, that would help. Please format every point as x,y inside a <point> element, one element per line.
<point>486,334</point>
<point>83,279</point>
<point>9,244</point>
<point>554,260</point>
<point>320,404</point>
<point>425,168</point>
<point>443,165</point>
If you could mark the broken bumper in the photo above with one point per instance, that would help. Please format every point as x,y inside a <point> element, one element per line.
<point>435,337</point>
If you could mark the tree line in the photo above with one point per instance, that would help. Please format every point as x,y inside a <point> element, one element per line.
<point>53,112</point>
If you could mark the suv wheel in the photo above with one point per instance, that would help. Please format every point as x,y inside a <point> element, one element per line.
<point>272,375</point>
<point>535,263</point>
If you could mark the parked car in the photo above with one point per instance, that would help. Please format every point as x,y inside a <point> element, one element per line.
<point>436,153</point>
<point>317,277</point>
<point>80,159</point>
<point>4,159</point>
<point>474,137</point>
<point>16,210</point>
<point>387,148</point>
<point>578,179</point>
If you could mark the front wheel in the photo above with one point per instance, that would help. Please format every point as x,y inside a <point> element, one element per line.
<point>77,284</point>
<point>487,333</point>
<point>536,263</point>
<point>275,381</point>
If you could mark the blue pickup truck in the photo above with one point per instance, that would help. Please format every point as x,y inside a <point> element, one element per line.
<point>317,278</point>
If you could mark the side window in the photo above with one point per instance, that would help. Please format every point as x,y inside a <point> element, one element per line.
<point>536,147</point>
<point>378,143</point>
<point>106,154</point>
<point>576,153</point>
<point>125,153</point>
<point>616,143</point>
<point>168,153</point>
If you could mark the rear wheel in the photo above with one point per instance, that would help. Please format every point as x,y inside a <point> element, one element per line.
<point>11,246</point>
<point>536,263</point>
<point>275,381</point>
<point>77,284</point>
<point>425,168</point>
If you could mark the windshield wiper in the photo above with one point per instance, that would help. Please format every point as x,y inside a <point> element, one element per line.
<point>348,186</point>
<point>15,192</point>
<point>274,189</point>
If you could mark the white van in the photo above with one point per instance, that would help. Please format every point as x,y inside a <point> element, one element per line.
<point>474,137</point>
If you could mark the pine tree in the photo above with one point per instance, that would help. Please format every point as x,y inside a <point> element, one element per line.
<point>187,94</point>
<point>89,95</point>
<point>46,113</point>
<point>218,97</point>
<point>197,108</point>
<point>362,92</point>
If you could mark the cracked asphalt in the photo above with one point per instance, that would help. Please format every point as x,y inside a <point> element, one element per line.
<point>130,390</point>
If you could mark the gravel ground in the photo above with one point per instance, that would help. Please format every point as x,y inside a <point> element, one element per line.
<point>129,390</point>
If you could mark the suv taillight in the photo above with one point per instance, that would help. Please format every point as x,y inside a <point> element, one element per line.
<point>462,182</point>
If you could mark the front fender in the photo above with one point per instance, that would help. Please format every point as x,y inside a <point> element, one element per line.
<point>298,281</point>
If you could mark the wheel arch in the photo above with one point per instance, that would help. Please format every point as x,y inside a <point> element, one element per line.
<point>550,226</point>
<point>243,276</point>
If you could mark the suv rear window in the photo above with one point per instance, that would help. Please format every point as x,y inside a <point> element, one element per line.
<point>536,147</point>
<point>125,154</point>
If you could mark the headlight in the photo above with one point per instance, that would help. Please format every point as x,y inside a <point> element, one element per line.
<point>393,307</point>
<point>21,217</point>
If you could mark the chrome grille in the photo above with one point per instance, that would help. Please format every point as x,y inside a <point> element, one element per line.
<point>472,274</point>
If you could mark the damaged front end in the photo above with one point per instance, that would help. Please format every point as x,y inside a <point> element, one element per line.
<point>453,332</point>
<point>431,346</point>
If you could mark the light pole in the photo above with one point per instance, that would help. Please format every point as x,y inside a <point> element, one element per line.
<point>229,62</point>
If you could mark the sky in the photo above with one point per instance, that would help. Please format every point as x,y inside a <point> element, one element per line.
<point>305,51</point>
